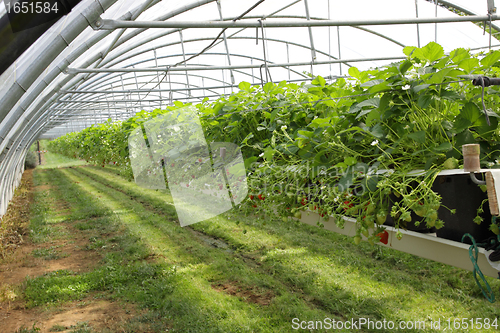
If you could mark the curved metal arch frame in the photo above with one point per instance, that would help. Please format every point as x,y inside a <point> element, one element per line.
<point>99,83</point>
<point>24,138</point>
<point>179,74</point>
<point>152,38</point>
<point>159,36</point>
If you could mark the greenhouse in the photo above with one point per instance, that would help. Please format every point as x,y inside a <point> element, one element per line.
<point>249,166</point>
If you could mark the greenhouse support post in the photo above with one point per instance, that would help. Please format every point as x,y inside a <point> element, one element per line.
<point>39,153</point>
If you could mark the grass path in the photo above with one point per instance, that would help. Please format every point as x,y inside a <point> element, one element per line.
<point>232,273</point>
<point>200,306</point>
<point>327,272</point>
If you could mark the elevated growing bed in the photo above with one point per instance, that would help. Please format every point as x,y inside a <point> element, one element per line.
<point>442,245</point>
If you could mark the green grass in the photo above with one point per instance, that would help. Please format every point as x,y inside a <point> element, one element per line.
<point>335,273</point>
<point>48,254</point>
<point>54,160</point>
<point>304,272</point>
<point>33,329</point>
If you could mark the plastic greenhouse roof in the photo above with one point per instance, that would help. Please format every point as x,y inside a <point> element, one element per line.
<point>76,75</point>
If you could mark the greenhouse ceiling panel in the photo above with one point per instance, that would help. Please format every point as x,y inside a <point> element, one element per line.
<point>113,58</point>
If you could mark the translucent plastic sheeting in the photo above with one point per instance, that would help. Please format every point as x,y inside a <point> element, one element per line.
<point>167,47</point>
<point>204,180</point>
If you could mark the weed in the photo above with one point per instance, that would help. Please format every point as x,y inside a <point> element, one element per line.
<point>82,327</point>
<point>58,328</point>
<point>48,254</point>
<point>33,329</point>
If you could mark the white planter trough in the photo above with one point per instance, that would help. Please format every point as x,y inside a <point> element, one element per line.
<point>430,246</point>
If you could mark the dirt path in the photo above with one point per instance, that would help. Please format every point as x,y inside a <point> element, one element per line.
<point>23,258</point>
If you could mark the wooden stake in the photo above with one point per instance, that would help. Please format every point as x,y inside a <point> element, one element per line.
<point>492,194</point>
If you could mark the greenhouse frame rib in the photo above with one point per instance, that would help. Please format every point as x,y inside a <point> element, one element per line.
<point>72,71</point>
<point>117,24</point>
<point>30,104</point>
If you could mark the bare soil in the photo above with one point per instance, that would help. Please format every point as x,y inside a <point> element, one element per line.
<point>70,253</point>
<point>249,294</point>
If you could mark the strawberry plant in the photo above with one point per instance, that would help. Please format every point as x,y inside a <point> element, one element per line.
<point>351,147</point>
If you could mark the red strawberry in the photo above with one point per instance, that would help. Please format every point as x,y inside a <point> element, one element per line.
<point>384,237</point>
<point>254,206</point>
<point>251,197</point>
<point>260,197</point>
<point>199,160</point>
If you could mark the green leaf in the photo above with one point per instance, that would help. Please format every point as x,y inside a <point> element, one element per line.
<point>291,149</point>
<point>471,112</point>
<point>481,124</point>
<point>460,124</point>
<point>443,147</point>
<point>373,102</point>
<point>320,122</point>
<point>350,160</point>
<point>430,162</point>
<point>245,86</point>
<point>354,72</point>
<point>319,81</point>
<point>405,65</point>
<point>346,181</point>
<point>274,114</point>
<point>269,87</point>
<point>377,131</point>
<point>490,59</point>
<point>249,161</point>
<point>363,112</point>
<point>269,153</point>
<point>464,138</point>
<point>458,55</point>
<point>418,136</point>
<point>319,158</point>
<point>372,83</point>
<point>379,87</point>
<point>468,65</point>
<point>341,165</point>
<point>370,183</point>
<point>305,134</point>
<point>423,101</point>
<point>450,95</point>
<point>248,137</point>
<point>372,116</point>
<point>432,52</point>
<point>416,89</point>
<point>410,50</point>
<point>439,76</point>
<point>384,102</point>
